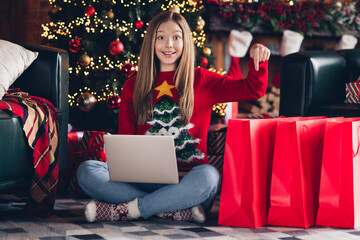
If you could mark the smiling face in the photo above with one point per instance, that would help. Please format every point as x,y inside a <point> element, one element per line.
<point>168,45</point>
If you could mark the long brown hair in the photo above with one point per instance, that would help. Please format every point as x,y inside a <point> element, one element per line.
<point>149,68</point>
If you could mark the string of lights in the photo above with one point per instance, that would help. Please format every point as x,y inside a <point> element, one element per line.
<point>83,26</point>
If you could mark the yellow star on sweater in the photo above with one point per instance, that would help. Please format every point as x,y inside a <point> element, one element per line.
<point>164,89</point>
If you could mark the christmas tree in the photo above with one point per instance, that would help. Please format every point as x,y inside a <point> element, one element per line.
<point>103,38</point>
<point>166,121</point>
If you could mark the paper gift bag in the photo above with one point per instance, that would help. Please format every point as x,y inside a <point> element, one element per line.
<point>244,199</point>
<point>296,172</point>
<point>339,198</point>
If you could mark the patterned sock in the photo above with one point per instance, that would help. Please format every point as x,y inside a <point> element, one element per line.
<point>134,212</point>
<point>191,214</point>
<point>101,211</point>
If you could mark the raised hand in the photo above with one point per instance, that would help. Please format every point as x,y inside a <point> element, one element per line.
<point>259,53</point>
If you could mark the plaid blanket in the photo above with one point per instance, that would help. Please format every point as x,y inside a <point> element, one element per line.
<point>41,129</point>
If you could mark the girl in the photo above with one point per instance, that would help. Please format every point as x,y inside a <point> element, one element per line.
<point>169,97</point>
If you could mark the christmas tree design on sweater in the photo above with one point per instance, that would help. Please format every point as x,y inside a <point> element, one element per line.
<point>166,121</point>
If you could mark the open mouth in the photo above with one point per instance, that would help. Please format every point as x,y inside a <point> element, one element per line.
<point>168,53</point>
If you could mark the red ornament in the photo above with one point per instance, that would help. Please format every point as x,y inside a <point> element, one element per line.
<point>139,23</point>
<point>113,101</point>
<point>74,45</point>
<point>116,47</point>
<point>127,70</point>
<point>204,62</point>
<point>89,11</point>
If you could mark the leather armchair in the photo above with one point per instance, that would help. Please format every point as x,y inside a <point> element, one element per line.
<point>47,77</point>
<point>312,83</point>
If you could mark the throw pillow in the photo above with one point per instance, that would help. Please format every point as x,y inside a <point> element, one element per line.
<point>352,92</point>
<point>14,60</point>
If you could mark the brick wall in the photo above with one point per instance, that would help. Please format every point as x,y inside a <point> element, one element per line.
<point>20,20</point>
<point>37,14</point>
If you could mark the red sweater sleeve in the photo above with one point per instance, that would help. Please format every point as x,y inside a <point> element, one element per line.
<point>234,69</point>
<point>127,120</point>
<point>226,88</point>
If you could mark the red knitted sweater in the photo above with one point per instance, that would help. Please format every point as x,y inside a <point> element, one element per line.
<point>209,88</point>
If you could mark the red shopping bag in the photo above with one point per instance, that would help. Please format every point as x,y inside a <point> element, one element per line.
<point>296,172</point>
<point>339,198</point>
<point>244,199</point>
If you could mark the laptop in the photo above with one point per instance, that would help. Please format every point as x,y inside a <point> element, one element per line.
<point>141,158</point>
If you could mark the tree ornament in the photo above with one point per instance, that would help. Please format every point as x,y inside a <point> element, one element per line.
<point>84,60</point>
<point>113,101</point>
<point>204,62</point>
<point>89,11</point>
<point>116,47</point>
<point>127,70</point>
<point>338,5</point>
<point>207,51</point>
<point>174,9</point>
<point>139,24</point>
<point>200,24</point>
<point>110,15</point>
<point>86,102</point>
<point>74,45</point>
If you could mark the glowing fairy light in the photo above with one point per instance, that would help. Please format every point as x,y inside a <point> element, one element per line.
<point>98,25</point>
<point>220,109</point>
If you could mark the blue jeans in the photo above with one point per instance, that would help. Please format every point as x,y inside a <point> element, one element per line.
<point>199,186</point>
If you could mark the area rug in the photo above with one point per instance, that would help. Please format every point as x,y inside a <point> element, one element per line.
<point>67,222</point>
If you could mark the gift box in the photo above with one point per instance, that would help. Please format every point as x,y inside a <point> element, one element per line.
<point>216,139</point>
<point>352,92</point>
<point>217,161</point>
<point>216,145</point>
<point>82,146</point>
<point>92,145</point>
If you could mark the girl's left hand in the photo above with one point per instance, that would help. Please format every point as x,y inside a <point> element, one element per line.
<point>259,53</point>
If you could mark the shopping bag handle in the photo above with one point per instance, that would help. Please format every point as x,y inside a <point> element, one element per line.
<point>358,143</point>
